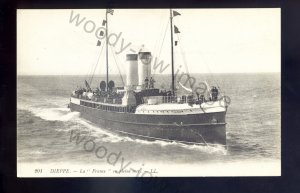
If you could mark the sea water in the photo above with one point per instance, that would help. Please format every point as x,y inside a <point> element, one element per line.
<point>44,124</point>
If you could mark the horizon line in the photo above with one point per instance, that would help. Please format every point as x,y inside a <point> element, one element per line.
<point>152,74</point>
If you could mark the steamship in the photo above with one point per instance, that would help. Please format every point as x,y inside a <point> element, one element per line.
<point>140,110</point>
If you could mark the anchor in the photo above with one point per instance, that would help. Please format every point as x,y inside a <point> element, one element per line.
<point>201,138</point>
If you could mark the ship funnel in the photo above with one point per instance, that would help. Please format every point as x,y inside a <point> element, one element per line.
<point>144,68</point>
<point>131,70</point>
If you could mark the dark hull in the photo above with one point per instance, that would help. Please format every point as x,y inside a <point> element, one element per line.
<point>195,128</point>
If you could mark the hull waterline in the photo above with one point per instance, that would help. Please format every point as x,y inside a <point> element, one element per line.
<point>190,129</point>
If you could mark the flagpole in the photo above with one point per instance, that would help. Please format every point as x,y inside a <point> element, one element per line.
<point>172,57</point>
<point>106,34</point>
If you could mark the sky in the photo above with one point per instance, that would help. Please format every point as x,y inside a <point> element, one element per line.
<point>49,42</point>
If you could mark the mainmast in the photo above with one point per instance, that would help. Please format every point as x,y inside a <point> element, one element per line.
<point>106,34</point>
<point>172,56</point>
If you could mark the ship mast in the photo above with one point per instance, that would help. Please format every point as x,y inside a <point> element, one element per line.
<point>106,34</point>
<point>172,56</point>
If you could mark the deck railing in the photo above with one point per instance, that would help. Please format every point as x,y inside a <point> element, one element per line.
<point>150,100</point>
<point>168,99</point>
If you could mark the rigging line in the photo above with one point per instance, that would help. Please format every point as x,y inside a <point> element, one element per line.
<point>214,79</point>
<point>183,54</point>
<point>89,71</point>
<point>92,69</point>
<point>210,72</point>
<point>117,61</point>
<point>159,32</point>
<point>184,58</point>
<point>89,76</point>
<point>96,65</point>
<point>181,48</point>
<point>83,38</point>
<point>162,43</point>
<point>112,50</point>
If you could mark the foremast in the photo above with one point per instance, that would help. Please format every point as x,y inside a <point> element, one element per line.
<point>172,53</point>
<point>108,11</point>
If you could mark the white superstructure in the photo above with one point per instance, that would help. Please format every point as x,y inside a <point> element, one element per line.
<point>184,108</point>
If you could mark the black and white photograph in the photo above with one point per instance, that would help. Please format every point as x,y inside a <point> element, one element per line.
<point>148,92</point>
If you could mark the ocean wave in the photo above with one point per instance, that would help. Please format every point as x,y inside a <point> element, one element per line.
<point>37,152</point>
<point>65,115</point>
<point>196,147</point>
<point>54,114</point>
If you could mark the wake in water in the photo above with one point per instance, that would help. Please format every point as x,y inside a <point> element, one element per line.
<point>56,114</point>
<point>253,129</point>
<point>65,115</point>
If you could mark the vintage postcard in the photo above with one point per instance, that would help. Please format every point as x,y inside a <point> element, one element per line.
<point>148,92</point>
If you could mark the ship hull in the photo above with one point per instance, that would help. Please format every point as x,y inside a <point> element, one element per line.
<point>191,129</point>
